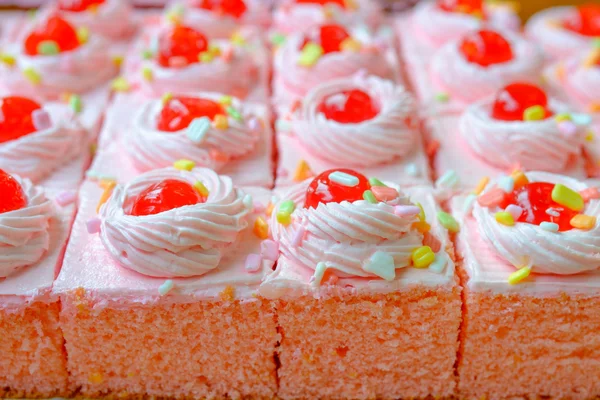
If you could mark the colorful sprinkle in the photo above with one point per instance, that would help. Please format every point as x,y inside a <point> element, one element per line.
<point>93,225</point>
<point>549,226</point>
<point>147,54</point>
<point>406,211</point>
<point>504,218</point>
<point>7,59</point>
<point>284,212</point>
<point>514,210</point>
<point>344,179</point>
<point>65,198</point>
<point>166,287</point>
<point>567,197</point>
<point>238,39</point>
<point>233,113</point>
<point>562,117</point>
<point>382,265</point>
<point>278,40</point>
<point>421,226</point>
<point>184,165</point>
<point>481,185</point>
<point>442,97</point>
<point>120,84</point>
<point>520,179</point>
<point>198,129</point>
<point>261,228</point>
<point>448,180</point>
<point>201,189</point>
<point>383,193</point>
<point>411,169</point>
<point>166,98</point>
<point>32,76</point>
<point>75,103</point>
<point>206,57</point>
<point>253,263</point>
<point>350,44</point>
<point>298,236</point>
<point>519,275</point>
<point>269,249</point>
<point>567,128</point>
<point>534,113</point>
<point>221,122</point>
<point>302,171</point>
<point>432,241</point>
<point>319,272</point>
<point>369,197</point>
<point>492,198</point>
<point>48,47</point>
<point>108,189</point>
<point>311,53</point>
<point>422,257</point>
<point>581,119</point>
<point>448,221</point>
<point>376,182</point>
<point>506,183</point>
<point>147,74</point>
<point>83,34</point>
<point>440,262</point>
<point>584,222</point>
<point>118,61</point>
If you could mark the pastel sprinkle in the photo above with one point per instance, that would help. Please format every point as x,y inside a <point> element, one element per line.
<point>422,216</point>
<point>519,275</point>
<point>75,103</point>
<point>448,221</point>
<point>278,39</point>
<point>269,249</point>
<point>7,59</point>
<point>48,47</point>
<point>492,198</point>
<point>406,211</point>
<point>422,226</point>
<point>432,241</point>
<point>481,185</point>
<point>584,222</point>
<point>376,182</point>
<point>520,179</point>
<point>549,226</point>
<point>253,263</point>
<point>201,189</point>
<point>166,98</point>
<point>567,197</point>
<point>41,119</point>
<point>238,39</point>
<point>344,179</point>
<point>298,236</point>
<point>221,122</point>
<point>83,34</point>
<point>534,113</point>
<point>147,74</point>
<point>562,117</point>
<point>248,202</point>
<point>411,169</point>
<point>166,287</point>
<point>442,97</point>
<point>311,53</point>
<point>147,54</point>
<point>581,119</point>
<point>591,193</point>
<point>382,265</point>
<point>120,84</point>
<point>302,171</point>
<point>206,57</point>
<point>254,125</point>
<point>514,210</point>
<point>351,45</point>
<point>32,76</point>
<point>108,189</point>
<point>284,212</point>
<point>422,257</point>
<point>319,272</point>
<point>567,128</point>
<point>93,225</point>
<point>506,183</point>
<point>65,198</point>
<point>198,129</point>
<point>504,218</point>
<point>553,212</point>
<point>469,202</point>
<point>384,193</point>
<point>369,197</point>
<point>261,228</point>
<point>448,180</point>
<point>440,262</point>
<point>184,165</point>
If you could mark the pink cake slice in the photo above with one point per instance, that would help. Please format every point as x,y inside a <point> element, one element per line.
<point>537,336</point>
<point>362,337</point>
<point>34,361</point>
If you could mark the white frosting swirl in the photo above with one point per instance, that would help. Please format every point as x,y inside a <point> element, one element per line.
<point>372,142</point>
<point>150,148</point>
<point>438,27</point>
<point>40,153</point>
<point>564,253</point>
<point>24,235</point>
<point>460,79</point>
<point>291,17</point>
<point>546,28</point>
<point>581,83</point>
<point>345,235</point>
<point>182,242</point>
<point>536,145</point>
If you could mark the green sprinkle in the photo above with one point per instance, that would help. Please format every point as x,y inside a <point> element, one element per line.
<point>422,215</point>
<point>448,221</point>
<point>147,54</point>
<point>376,182</point>
<point>75,103</point>
<point>369,197</point>
<point>596,43</point>
<point>310,54</point>
<point>287,207</point>
<point>442,97</point>
<point>48,48</point>
<point>233,113</point>
<point>278,39</point>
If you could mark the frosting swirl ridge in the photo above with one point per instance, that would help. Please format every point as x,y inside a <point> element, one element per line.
<point>111,19</point>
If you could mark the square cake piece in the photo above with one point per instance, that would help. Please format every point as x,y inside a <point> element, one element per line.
<point>367,305</point>
<point>531,290</point>
<point>179,255</point>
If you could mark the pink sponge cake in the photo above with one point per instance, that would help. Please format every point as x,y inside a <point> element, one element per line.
<point>179,254</point>
<point>530,274</point>
<point>34,227</point>
<point>367,123</point>
<point>520,127</point>
<point>565,31</point>
<point>367,301</point>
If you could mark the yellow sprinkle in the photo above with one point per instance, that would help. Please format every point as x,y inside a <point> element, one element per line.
<point>562,117</point>
<point>534,113</point>
<point>261,228</point>
<point>284,219</point>
<point>201,189</point>
<point>96,378</point>
<point>206,56</point>
<point>214,50</point>
<point>107,183</point>
<point>118,61</point>
<point>184,165</point>
<point>83,34</point>
<point>7,59</point>
<point>504,218</point>
<point>147,74</point>
<point>302,171</point>
<point>108,189</point>
<point>520,178</point>
<point>225,100</point>
<point>481,185</point>
<point>519,275</point>
<point>221,122</point>
<point>582,221</point>
<point>166,97</point>
<point>120,84</point>
<point>310,54</point>
<point>237,38</point>
<point>422,216</point>
<point>567,197</point>
<point>32,76</point>
<point>350,44</point>
<point>589,136</point>
<point>422,257</point>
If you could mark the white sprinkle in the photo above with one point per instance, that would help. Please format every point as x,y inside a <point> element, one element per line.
<point>549,226</point>
<point>439,264</point>
<point>343,179</point>
<point>166,287</point>
<point>448,180</point>
<point>514,210</point>
<point>41,119</point>
<point>381,264</point>
<point>411,169</point>
<point>469,202</point>
<point>552,212</point>
<point>198,129</point>
<point>406,211</point>
<point>248,201</point>
<point>318,275</point>
<point>506,183</point>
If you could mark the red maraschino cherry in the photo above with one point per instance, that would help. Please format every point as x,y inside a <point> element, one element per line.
<point>54,29</point>
<point>330,37</point>
<point>323,190</point>
<point>16,117</point>
<point>78,5</point>
<point>535,199</point>
<point>12,196</point>
<point>462,6</point>
<point>182,42</point>
<point>165,196</point>
<point>179,111</point>
<point>512,101</point>
<point>486,48</point>
<point>234,8</point>
<point>586,21</point>
<point>357,107</point>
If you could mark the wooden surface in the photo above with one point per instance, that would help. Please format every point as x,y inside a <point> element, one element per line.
<point>530,7</point>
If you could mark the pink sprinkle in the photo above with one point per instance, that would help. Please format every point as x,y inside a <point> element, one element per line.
<point>41,119</point>
<point>298,236</point>
<point>259,207</point>
<point>432,241</point>
<point>514,210</point>
<point>93,225</point>
<point>269,250</point>
<point>492,198</point>
<point>406,211</point>
<point>567,128</point>
<point>253,262</point>
<point>384,193</point>
<point>65,198</point>
<point>590,194</point>
<point>178,62</point>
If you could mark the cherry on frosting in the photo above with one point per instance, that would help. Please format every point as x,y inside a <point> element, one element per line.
<point>323,190</point>
<point>485,47</point>
<point>181,41</point>
<point>535,198</point>
<point>586,21</point>
<point>357,108</point>
<point>165,196</point>
<point>512,101</point>
<point>340,3</point>
<point>54,29</point>
<point>330,37</point>
<point>78,5</point>
<point>461,6</point>
<point>235,8</point>
<point>16,120</point>
<point>13,198</point>
<point>179,111</point>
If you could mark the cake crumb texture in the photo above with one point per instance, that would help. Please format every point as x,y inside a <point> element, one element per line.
<point>203,349</point>
<point>399,345</point>
<point>32,356</point>
<point>517,346</point>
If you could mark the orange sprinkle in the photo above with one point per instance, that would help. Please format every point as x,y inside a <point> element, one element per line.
<point>302,172</point>
<point>108,189</point>
<point>421,226</point>
<point>582,221</point>
<point>520,178</point>
<point>481,185</point>
<point>269,210</point>
<point>261,228</point>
